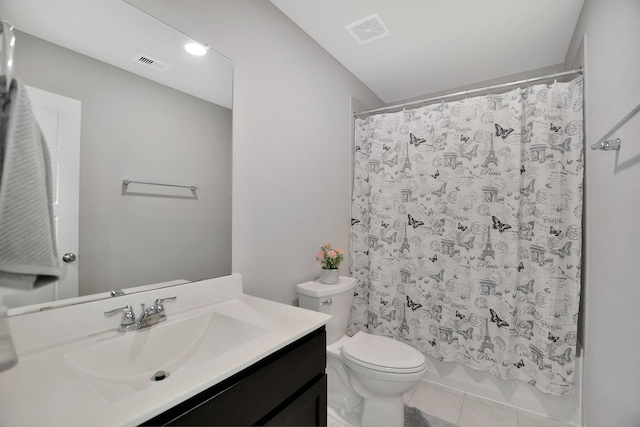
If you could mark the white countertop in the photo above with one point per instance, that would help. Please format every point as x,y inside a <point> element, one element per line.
<point>45,389</point>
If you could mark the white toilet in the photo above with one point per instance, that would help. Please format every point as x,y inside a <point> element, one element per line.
<point>367,374</point>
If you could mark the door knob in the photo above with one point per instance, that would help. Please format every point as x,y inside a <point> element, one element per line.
<point>69,257</point>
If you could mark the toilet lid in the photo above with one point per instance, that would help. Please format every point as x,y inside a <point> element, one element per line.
<point>382,353</point>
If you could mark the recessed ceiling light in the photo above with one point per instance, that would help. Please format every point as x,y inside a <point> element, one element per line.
<point>195,49</point>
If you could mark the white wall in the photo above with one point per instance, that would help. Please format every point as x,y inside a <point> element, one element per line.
<point>611,387</point>
<point>137,129</point>
<point>292,150</point>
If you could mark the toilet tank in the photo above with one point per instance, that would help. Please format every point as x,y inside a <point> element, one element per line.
<point>315,296</point>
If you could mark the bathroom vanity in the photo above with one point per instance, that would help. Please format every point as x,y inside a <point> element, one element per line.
<point>288,387</point>
<point>228,359</point>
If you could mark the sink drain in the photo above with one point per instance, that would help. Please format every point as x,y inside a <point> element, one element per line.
<point>159,376</point>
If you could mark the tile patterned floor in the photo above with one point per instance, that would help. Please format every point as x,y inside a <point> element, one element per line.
<point>466,410</point>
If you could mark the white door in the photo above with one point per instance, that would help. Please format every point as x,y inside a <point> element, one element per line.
<point>59,119</point>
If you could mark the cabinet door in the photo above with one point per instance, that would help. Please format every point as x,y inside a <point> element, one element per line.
<point>309,409</point>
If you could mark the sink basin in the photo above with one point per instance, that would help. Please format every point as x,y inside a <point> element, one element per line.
<point>124,364</point>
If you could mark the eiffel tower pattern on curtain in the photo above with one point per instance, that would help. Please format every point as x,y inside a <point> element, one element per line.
<point>466,231</point>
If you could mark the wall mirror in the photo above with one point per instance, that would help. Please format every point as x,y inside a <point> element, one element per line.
<point>149,112</point>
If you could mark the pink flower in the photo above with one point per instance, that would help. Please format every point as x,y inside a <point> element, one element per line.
<point>339,251</point>
<point>327,245</point>
<point>320,255</point>
<point>332,254</point>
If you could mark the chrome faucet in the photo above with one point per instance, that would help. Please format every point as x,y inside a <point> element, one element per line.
<point>149,316</point>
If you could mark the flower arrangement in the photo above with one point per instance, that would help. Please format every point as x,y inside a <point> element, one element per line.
<point>330,258</point>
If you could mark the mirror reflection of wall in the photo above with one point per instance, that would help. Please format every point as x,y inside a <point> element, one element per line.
<point>135,128</point>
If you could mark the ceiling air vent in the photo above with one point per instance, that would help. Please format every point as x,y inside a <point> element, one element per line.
<point>150,62</point>
<point>368,29</point>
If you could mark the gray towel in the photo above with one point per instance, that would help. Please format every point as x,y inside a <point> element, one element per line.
<point>28,252</point>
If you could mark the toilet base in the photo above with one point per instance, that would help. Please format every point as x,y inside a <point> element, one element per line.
<point>341,418</point>
<point>387,412</point>
<point>352,405</point>
<point>345,419</point>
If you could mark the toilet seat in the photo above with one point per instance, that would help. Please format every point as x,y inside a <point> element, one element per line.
<point>383,354</point>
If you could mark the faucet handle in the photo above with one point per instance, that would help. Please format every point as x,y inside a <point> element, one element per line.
<point>127,316</point>
<point>160,308</point>
<point>126,309</point>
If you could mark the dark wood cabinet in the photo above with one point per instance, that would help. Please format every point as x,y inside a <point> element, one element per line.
<point>289,387</point>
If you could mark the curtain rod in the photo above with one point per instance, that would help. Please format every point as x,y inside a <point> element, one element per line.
<point>467,92</point>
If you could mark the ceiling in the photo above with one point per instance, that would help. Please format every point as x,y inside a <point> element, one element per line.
<point>436,45</point>
<point>114,32</point>
<point>433,46</point>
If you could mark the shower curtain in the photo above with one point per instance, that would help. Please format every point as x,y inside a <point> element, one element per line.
<point>466,231</point>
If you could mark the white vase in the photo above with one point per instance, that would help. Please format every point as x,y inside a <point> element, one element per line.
<point>329,276</point>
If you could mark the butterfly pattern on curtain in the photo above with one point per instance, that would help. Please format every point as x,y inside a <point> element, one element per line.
<point>466,231</point>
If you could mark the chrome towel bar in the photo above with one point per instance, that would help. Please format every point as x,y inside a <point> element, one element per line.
<point>614,144</point>
<point>128,181</point>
